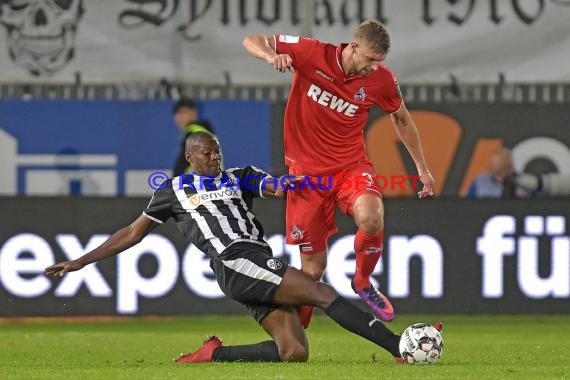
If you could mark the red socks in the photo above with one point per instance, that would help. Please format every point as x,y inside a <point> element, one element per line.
<point>305,315</point>
<point>368,250</point>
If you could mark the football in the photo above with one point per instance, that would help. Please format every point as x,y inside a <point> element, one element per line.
<point>421,343</point>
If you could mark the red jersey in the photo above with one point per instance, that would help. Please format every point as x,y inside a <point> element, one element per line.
<point>327,111</point>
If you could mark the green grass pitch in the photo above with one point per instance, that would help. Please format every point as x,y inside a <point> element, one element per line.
<point>476,347</point>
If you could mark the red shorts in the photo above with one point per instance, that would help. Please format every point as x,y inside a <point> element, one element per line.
<point>310,215</point>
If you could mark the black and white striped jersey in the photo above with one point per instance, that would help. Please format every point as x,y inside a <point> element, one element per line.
<point>212,212</point>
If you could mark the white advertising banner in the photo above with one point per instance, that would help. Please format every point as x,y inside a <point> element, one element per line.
<point>201,40</point>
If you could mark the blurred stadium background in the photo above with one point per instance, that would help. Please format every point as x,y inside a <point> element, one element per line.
<point>85,119</point>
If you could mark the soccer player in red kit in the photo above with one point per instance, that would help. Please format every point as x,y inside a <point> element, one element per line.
<point>333,90</point>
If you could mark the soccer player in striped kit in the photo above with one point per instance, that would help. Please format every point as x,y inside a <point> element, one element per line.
<point>211,209</point>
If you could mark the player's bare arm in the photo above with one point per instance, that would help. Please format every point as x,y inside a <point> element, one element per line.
<point>121,240</point>
<point>263,47</point>
<point>408,133</point>
<point>276,187</point>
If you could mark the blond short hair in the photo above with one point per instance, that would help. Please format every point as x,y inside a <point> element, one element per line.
<point>374,34</point>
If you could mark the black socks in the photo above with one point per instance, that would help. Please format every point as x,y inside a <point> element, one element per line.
<point>364,324</point>
<point>260,352</point>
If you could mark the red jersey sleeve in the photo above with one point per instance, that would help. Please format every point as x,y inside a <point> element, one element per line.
<point>299,48</point>
<point>390,99</point>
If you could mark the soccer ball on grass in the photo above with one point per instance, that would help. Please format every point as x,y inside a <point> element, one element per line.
<point>421,343</point>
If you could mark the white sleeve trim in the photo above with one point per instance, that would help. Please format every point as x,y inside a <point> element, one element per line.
<point>399,108</point>
<point>261,183</point>
<point>152,218</point>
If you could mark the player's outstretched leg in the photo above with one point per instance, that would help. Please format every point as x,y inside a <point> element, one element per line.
<point>364,324</point>
<point>297,288</point>
<point>289,341</point>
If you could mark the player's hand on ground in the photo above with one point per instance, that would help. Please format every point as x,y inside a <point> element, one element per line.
<point>62,268</point>
<point>282,63</point>
<point>427,180</point>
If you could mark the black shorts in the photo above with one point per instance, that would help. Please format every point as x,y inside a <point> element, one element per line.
<point>249,274</point>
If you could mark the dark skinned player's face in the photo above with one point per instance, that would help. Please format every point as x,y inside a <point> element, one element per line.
<point>205,158</point>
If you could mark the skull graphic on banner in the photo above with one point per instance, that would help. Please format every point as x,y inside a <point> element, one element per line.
<point>41,33</point>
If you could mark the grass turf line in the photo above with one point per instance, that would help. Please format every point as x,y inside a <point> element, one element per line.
<point>476,347</point>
